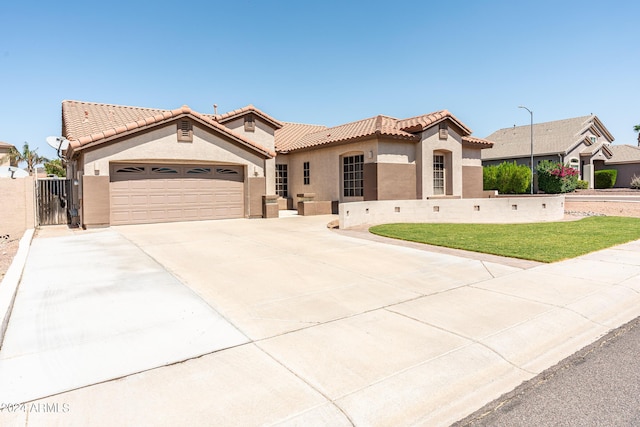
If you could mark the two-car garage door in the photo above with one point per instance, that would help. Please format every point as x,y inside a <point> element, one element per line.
<point>148,193</point>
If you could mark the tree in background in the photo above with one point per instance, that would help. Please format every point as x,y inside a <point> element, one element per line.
<point>28,156</point>
<point>636,129</point>
<point>55,167</point>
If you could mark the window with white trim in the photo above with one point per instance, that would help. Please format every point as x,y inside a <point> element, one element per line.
<point>282,184</point>
<point>352,175</point>
<point>438,174</point>
<point>574,163</point>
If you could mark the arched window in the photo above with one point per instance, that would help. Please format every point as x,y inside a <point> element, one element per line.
<point>574,163</point>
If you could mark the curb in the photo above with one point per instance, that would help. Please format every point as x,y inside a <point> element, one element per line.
<point>11,280</point>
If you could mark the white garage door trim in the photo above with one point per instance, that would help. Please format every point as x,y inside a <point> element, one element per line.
<point>151,193</point>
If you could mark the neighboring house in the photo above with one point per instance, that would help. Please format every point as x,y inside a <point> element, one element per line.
<point>583,143</point>
<point>5,158</point>
<point>626,160</point>
<point>139,165</point>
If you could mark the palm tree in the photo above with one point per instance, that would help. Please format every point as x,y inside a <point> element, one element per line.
<point>30,157</point>
<point>636,128</point>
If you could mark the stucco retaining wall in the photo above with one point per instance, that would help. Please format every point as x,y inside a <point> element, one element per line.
<point>17,206</point>
<point>485,210</point>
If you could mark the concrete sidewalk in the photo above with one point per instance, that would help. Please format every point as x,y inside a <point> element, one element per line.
<point>340,330</point>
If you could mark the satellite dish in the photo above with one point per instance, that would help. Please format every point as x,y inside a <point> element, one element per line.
<point>58,142</point>
<point>12,172</point>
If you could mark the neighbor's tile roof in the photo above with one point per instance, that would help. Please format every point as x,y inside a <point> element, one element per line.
<point>5,145</point>
<point>556,137</point>
<point>623,154</point>
<point>231,115</point>
<point>88,123</point>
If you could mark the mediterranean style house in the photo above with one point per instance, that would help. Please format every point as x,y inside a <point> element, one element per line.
<point>140,165</point>
<point>583,143</point>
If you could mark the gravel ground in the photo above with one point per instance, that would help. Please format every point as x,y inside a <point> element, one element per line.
<point>8,248</point>
<point>611,208</point>
<point>602,208</point>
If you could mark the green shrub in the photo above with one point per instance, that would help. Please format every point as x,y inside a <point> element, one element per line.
<point>555,178</point>
<point>605,178</point>
<point>490,177</point>
<point>635,182</point>
<point>507,178</point>
<point>582,185</point>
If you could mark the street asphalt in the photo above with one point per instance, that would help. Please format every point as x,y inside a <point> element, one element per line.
<point>286,322</point>
<point>597,386</point>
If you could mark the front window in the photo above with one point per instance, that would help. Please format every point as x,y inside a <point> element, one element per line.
<point>306,173</point>
<point>281,181</point>
<point>438,174</point>
<point>352,176</point>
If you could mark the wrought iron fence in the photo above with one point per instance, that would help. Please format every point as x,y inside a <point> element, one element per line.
<point>53,196</point>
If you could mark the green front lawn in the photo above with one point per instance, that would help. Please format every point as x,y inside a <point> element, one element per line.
<point>545,242</point>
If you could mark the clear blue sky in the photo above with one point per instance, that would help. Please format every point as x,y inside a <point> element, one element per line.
<point>323,62</point>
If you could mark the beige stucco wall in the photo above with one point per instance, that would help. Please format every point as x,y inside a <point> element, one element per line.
<point>485,210</point>
<point>263,133</point>
<point>96,203</point>
<point>430,144</point>
<point>396,151</point>
<point>324,169</point>
<point>162,145</point>
<point>17,206</point>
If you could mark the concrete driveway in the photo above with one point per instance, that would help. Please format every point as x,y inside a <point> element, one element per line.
<point>298,324</point>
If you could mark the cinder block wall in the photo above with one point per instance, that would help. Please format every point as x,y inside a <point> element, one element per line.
<point>17,206</point>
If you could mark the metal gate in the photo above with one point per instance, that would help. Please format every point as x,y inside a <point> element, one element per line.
<point>52,200</point>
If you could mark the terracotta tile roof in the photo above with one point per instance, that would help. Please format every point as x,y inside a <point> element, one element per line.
<point>378,125</point>
<point>289,133</point>
<point>484,143</point>
<point>295,136</point>
<point>556,137</point>
<point>623,154</point>
<point>5,145</point>
<point>87,124</point>
<point>231,115</point>
<point>424,121</point>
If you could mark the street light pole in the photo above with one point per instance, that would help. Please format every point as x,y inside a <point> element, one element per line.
<point>531,113</point>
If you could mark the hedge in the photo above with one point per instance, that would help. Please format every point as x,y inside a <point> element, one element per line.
<point>605,178</point>
<point>507,178</point>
